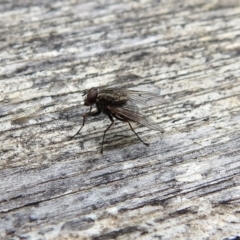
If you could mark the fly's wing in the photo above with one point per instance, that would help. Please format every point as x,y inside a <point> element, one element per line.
<point>131,114</point>
<point>141,97</point>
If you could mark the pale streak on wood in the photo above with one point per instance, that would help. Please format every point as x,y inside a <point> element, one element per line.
<point>186,185</point>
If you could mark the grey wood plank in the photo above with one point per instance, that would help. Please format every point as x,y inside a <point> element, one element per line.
<point>185,185</point>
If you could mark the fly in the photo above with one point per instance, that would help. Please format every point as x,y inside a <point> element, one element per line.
<point>122,105</point>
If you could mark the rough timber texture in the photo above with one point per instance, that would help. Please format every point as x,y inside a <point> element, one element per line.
<point>186,185</point>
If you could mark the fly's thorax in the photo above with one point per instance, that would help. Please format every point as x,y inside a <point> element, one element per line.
<point>112,99</point>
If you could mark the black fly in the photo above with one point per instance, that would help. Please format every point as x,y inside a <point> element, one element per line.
<point>122,105</point>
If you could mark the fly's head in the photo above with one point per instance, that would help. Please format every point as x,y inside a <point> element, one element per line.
<point>91,97</point>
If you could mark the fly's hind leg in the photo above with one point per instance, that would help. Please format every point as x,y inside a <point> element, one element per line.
<point>147,144</point>
<point>125,120</point>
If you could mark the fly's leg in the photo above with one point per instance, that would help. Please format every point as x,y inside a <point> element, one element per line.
<point>147,144</point>
<point>89,114</point>
<point>125,120</point>
<point>112,121</point>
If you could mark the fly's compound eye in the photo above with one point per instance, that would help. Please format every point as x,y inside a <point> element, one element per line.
<point>91,96</point>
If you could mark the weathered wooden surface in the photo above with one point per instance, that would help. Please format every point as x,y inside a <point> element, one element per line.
<point>186,185</point>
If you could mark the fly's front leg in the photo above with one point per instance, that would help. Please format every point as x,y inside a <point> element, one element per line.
<point>89,114</point>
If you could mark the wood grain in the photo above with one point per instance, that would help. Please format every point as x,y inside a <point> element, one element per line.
<point>185,185</point>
